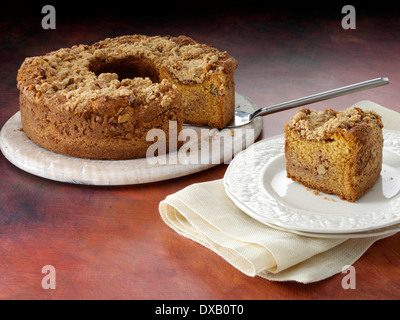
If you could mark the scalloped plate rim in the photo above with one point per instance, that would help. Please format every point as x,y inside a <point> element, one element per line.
<point>267,218</point>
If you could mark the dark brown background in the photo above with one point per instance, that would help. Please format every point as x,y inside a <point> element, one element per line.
<point>110,242</point>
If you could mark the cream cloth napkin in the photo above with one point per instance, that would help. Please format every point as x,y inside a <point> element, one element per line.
<point>204,213</point>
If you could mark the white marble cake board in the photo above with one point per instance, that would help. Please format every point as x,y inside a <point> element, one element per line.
<point>30,157</point>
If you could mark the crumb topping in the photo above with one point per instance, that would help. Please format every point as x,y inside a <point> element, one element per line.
<point>69,72</point>
<point>320,125</point>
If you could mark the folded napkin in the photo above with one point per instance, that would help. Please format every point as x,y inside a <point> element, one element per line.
<point>204,213</point>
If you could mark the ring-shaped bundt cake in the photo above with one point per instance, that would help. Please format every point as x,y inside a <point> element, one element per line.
<point>100,101</point>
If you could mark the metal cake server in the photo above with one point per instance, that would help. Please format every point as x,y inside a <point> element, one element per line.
<point>242,118</point>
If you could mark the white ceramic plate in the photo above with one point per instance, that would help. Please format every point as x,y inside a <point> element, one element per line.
<point>256,182</point>
<point>210,149</point>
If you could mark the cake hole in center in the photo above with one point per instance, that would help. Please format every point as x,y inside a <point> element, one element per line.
<point>128,68</point>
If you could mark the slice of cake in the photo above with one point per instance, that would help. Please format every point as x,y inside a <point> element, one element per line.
<point>336,152</point>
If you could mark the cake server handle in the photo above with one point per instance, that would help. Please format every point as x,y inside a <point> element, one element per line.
<point>322,96</point>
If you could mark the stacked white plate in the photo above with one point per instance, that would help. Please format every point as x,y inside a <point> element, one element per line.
<point>256,182</point>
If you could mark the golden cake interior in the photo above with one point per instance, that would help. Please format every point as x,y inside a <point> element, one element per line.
<point>335,152</point>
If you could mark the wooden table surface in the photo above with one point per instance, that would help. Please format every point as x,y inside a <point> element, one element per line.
<point>110,242</point>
